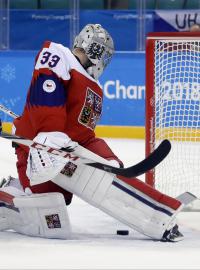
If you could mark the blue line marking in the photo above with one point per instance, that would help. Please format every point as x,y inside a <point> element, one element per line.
<point>138,197</point>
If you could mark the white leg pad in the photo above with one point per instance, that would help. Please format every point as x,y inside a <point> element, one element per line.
<point>42,215</point>
<point>120,200</point>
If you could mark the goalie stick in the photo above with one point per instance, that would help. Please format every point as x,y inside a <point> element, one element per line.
<point>98,162</point>
<point>7,111</point>
<point>140,168</point>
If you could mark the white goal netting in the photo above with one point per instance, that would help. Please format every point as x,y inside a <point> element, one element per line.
<point>177,114</point>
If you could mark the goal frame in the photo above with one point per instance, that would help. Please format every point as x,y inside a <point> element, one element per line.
<point>150,98</point>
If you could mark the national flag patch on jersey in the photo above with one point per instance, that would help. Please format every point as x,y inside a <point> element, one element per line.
<point>53,221</point>
<point>69,169</point>
<point>49,86</point>
<point>91,111</point>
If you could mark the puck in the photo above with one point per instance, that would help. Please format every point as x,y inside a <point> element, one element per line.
<point>122,232</point>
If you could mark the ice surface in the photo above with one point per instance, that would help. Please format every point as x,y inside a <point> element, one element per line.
<point>94,243</point>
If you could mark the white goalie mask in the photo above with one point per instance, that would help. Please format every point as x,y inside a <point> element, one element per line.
<point>98,46</point>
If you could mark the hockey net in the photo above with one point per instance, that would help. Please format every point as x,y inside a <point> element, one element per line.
<point>173,109</point>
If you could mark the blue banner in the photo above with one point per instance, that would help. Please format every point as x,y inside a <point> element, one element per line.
<point>29,28</point>
<point>122,82</point>
<point>124,90</point>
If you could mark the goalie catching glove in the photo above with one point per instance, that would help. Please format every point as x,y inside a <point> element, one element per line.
<point>42,166</point>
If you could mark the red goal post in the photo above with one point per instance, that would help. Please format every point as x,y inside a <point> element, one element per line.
<point>173,109</point>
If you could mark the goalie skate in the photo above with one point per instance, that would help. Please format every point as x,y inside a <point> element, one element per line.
<point>173,235</point>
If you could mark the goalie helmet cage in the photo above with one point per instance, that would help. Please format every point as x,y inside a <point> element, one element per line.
<point>173,109</point>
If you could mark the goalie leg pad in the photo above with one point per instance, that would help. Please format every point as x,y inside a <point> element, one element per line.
<point>43,215</point>
<point>138,205</point>
<point>138,210</point>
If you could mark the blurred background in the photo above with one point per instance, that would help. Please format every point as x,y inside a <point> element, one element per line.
<point>26,24</point>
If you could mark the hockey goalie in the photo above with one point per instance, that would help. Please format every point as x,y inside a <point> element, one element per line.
<point>63,105</point>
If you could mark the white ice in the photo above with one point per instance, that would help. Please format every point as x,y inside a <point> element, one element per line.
<point>94,243</point>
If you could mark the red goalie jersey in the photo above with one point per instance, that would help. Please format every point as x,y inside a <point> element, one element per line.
<point>63,97</point>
